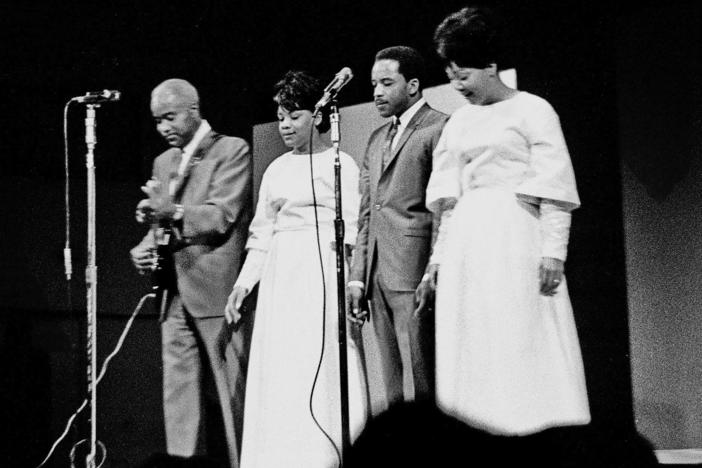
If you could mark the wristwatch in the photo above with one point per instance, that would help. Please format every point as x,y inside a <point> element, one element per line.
<point>178,215</point>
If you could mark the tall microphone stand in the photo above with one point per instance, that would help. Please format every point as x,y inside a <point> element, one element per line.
<point>91,284</point>
<point>340,283</point>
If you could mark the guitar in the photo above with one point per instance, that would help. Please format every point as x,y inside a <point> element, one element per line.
<point>163,270</point>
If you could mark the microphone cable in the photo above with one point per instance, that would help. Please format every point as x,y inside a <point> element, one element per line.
<point>67,263</point>
<point>68,267</point>
<point>105,365</point>
<point>324,299</point>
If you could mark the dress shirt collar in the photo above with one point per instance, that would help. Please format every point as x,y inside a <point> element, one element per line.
<point>189,149</point>
<point>409,113</point>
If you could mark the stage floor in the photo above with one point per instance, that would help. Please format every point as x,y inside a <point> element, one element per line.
<point>680,457</point>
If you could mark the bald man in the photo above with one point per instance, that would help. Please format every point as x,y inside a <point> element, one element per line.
<point>201,186</point>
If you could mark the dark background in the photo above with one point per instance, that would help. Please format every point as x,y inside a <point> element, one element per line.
<point>233,52</point>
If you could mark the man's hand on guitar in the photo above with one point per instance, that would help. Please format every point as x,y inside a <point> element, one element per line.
<point>232,311</point>
<point>144,213</point>
<point>143,258</point>
<point>159,205</point>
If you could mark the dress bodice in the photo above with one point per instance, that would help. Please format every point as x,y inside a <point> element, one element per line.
<point>286,200</point>
<point>516,144</point>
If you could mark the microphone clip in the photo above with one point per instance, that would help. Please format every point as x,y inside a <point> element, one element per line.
<point>340,80</point>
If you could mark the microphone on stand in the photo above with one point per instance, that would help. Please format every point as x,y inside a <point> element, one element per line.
<point>96,97</point>
<point>339,81</point>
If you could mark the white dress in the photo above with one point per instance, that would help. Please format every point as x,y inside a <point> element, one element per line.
<point>291,312</point>
<point>507,357</point>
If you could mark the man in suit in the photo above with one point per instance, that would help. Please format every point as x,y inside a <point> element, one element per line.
<point>202,186</point>
<point>395,227</point>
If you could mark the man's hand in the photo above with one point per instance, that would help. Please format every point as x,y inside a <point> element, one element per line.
<point>356,314</point>
<point>232,311</point>
<point>143,258</point>
<point>144,212</point>
<point>550,275</point>
<point>159,202</point>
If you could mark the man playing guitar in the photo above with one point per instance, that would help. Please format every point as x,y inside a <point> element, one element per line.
<point>199,207</point>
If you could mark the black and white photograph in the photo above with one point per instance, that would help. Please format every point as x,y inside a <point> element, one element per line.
<point>346,234</point>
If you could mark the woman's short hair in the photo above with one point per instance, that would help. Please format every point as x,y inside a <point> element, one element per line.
<point>469,38</point>
<point>299,90</point>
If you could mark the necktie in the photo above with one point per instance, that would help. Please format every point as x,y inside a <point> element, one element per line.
<point>387,147</point>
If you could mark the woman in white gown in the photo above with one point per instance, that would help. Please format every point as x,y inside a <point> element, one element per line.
<point>507,353</point>
<point>296,313</point>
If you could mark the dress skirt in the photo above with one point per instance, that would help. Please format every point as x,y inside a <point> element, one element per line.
<point>507,357</point>
<point>279,430</point>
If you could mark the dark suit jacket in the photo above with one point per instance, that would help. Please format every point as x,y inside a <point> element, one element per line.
<point>216,194</point>
<point>394,226</point>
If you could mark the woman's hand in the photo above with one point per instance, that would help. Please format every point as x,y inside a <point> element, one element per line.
<point>550,275</point>
<point>236,299</point>
<point>424,294</point>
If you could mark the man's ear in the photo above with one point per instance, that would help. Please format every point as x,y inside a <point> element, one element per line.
<point>492,69</point>
<point>413,86</point>
<point>318,119</point>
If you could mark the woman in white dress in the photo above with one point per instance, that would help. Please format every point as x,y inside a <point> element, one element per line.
<point>507,353</point>
<point>296,313</point>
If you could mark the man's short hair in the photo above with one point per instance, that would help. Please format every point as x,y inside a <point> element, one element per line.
<point>411,62</point>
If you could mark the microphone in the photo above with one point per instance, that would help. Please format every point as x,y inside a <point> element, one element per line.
<point>339,81</point>
<point>96,97</point>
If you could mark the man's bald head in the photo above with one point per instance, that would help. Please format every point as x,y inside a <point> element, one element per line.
<point>176,91</point>
<point>175,106</point>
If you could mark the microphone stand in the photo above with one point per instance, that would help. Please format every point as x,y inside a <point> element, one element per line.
<point>91,284</point>
<point>340,283</point>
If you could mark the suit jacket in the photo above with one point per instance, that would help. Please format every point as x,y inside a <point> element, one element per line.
<point>216,193</point>
<point>394,226</point>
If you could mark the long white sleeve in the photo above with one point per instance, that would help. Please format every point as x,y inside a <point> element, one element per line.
<point>439,244</point>
<point>260,235</point>
<point>550,173</point>
<point>252,270</point>
<point>555,229</point>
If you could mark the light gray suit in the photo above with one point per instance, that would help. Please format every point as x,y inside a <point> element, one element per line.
<point>392,251</point>
<point>216,193</point>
